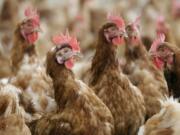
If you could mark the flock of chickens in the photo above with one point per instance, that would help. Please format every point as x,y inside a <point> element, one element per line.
<point>136,94</point>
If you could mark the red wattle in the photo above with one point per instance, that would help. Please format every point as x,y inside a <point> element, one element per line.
<point>159,63</point>
<point>31,38</point>
<point>117,41</point>
<point>135,40</point>
<point>69,63</point>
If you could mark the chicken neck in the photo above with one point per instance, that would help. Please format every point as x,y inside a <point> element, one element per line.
<point>63,81</point>
<point>105,59</point>
<point>135,52</point>
<point>20,48</point>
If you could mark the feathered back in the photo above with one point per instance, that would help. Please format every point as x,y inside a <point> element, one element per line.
<point>166,122</point>
<point>9,100</point>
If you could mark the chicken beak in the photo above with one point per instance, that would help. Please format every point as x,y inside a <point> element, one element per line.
<point>38,29</point>
<point>77,55</point>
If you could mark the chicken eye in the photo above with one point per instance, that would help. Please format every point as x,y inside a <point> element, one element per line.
<point>66,50</point>
<point>113,28</point>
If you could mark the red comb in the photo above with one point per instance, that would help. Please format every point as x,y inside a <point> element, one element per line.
<point>116,19</point>
<point>66,39</point>
<point>156,42</point>
<point>31,13</point>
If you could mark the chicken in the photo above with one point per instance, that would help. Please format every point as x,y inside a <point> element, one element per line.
<point>30,75</point>
<point>25,35</point>
<point>166,122</point>
<point>142,72</point>
<point>11,114</point>
<point>166,56</point>
<point>110,84</point>
<point>80,111</point>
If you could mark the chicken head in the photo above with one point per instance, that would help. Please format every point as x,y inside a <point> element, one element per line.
<point>163,56</point>
<point>133,32</point>
<point>30,26</point>
<point>114,32</point>
<point>166,55</point>
<point>66,50</point>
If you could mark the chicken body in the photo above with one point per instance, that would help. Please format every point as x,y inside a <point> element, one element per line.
<point>166,122</point>
<point>144,74</point>
<point>123,99</point>
<point>80,111</point>
<point>11,114</point>
<point>37,96</point>
<point>30,76</point>
<point>13,124</point>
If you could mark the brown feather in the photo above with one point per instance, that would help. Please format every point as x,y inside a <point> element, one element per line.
<point>122,98</point>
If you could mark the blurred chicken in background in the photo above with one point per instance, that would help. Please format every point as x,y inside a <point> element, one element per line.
<point>166,122</point>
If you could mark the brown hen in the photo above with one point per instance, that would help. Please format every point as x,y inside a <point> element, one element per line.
<point>106,78</point>
<point>80,111</point>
